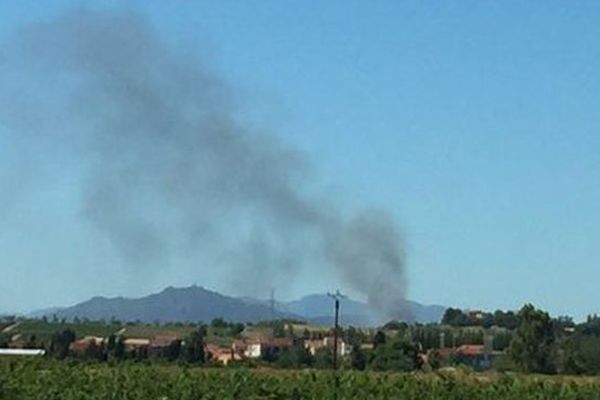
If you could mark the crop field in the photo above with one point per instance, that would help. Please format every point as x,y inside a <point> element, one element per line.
<point>43,379</point>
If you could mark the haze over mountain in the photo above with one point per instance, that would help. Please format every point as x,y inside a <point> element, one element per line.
<point>317,308</point>
<point>196,303</point>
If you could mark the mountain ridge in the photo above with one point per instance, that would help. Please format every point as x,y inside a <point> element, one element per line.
<point>196,303</point>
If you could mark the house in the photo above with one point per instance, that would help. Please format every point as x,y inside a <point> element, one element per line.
<point>137,346</point>
<point>313,345</point>
<point>476,315</point>
<point>17,341</point>
<point>476,356</point>
<point>159,344</point>
<point>22,352</point>
<point>441,356</point>
<point>273,347</point>
<point>247,348</point>
<point>136,343</point>
<point>221,354</point>
<point>367,346</point>
<point>257,348</point>
<point>83,344</point>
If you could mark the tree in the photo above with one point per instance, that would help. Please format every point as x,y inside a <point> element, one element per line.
<point>506,320</point>
<point>94,351</point>
<point>115,347</point>
<point>237,328</point>
<point>379,339</point>
<point>31,342</point>
<point>296,356</point>
<point>454,317</point>
<point>194,347</point>
<point>174,350</point>
<point>110,344</point>
<point>279,329</point>
<point>435,359</point>
<point>3,341</point>
<point>582,355</point>
<point>591,326</point>
<point>219,323</point>
<point>358,359</point>
<point>395,325</point>
<point>119,350</point>
<point>532,347</point>
<point>397,355</point>
<point>324,358</point>
<point>305,334</point>
<point>502,340</point>
<point>60,342</point>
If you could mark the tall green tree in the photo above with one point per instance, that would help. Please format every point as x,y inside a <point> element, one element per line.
<point>119,351</point>
<point>353,336</point>
<point>279,329</point>
<point>580,348</point>
<point>358,358</point>
<point>398,354</point>
<point>296,356</point>
<point>194,347</point>
<point>174,350</point>
<point>60,342</point>
<point>533,346</point>
<point>323,358</point>
<point>379,339</point>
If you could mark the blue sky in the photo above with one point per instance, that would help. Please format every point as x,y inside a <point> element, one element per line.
<point>474,122</point>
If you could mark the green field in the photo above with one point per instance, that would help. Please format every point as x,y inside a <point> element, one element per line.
<point>44,379</point>
<point>42,331</point>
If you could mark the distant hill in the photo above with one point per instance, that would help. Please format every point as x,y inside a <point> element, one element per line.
<point>196,303</point>
<point>47,312</point>
<point>193,303</point>
<point>316,305</point>
<point>426,313</point>
<point>318,308</point>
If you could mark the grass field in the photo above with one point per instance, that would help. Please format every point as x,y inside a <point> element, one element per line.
<point>44,379</point>
<point>43,330</point>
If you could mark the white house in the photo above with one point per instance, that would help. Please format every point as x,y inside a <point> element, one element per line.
<point>22,352</point>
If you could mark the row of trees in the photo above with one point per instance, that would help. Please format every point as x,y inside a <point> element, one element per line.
<point>546,345</point>
<point>459,318</point>
<point>436,336</point>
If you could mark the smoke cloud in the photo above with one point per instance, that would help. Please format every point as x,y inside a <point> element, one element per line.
<point>165,168</point>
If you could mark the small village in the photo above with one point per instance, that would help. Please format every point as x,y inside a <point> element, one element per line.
<point>262,344</point>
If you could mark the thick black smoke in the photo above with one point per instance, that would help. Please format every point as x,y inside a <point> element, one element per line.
<point>166,167</point>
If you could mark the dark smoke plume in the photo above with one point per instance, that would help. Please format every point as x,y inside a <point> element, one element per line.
<point>164,166</point>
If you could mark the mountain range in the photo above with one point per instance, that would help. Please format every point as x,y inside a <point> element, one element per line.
<point>196,303</point>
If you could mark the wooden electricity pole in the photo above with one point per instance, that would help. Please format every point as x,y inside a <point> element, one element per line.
<point>337,296</point>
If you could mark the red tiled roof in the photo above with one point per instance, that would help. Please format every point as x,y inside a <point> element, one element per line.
<point>470,350</point>
<point>216,349</point>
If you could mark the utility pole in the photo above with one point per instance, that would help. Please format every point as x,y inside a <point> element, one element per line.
<point>337,296</point>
